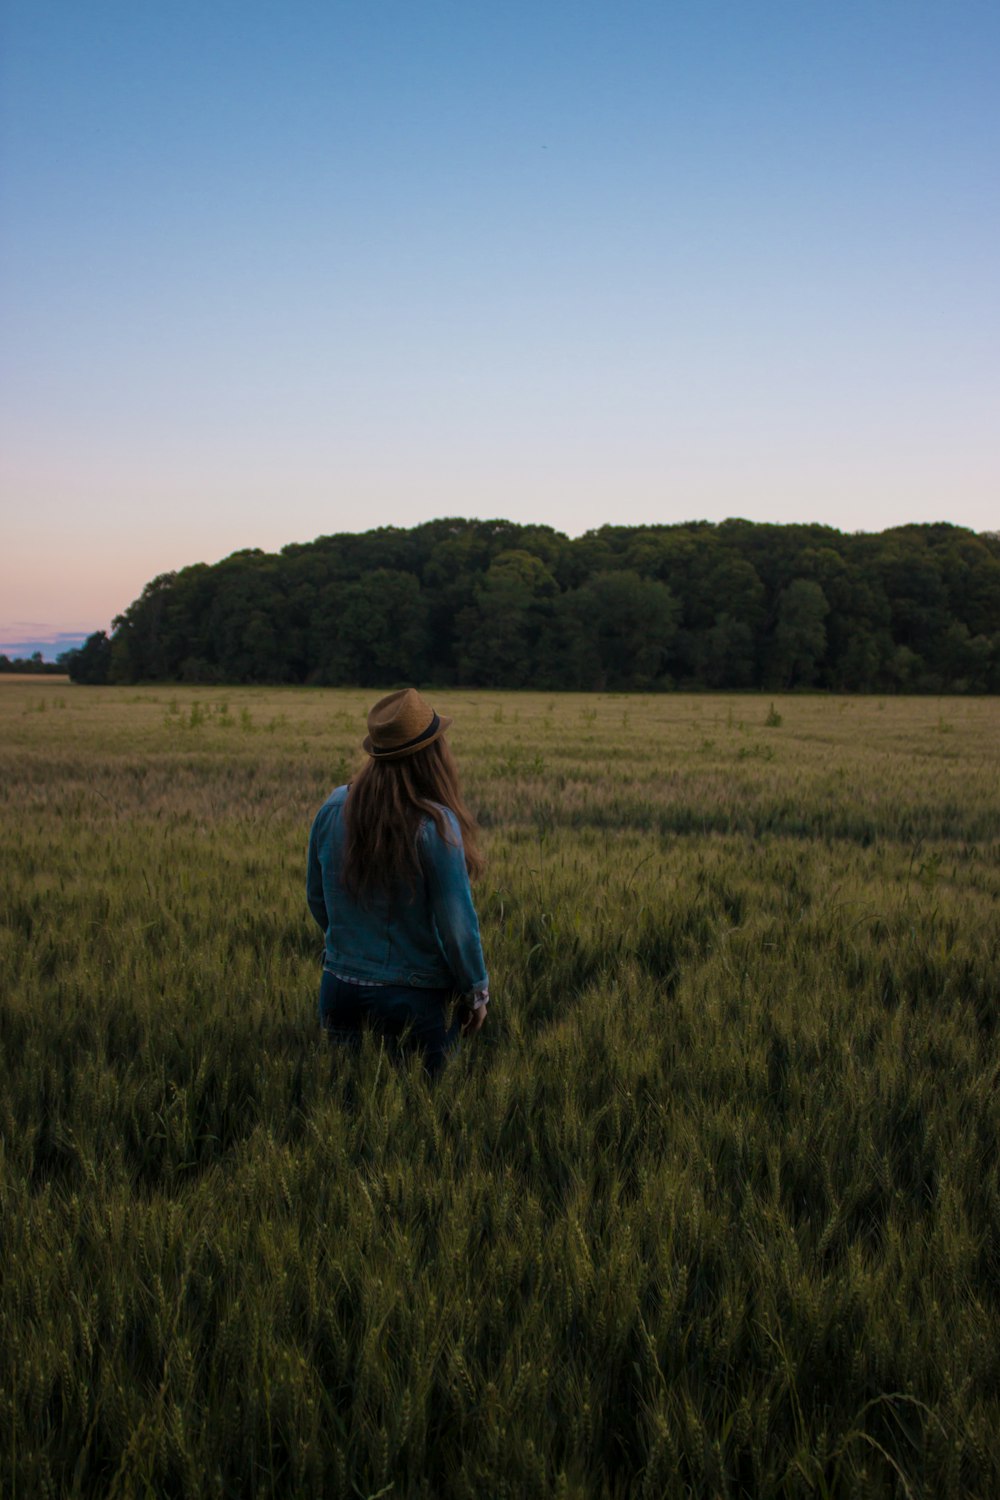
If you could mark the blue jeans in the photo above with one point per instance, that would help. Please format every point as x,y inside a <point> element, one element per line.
<point>411,1020</point>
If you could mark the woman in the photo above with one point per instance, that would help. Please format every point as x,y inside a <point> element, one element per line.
<point>390,856</point>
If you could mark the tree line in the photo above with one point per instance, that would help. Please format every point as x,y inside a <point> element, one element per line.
<point>30,666</point>
<point>736,604</point>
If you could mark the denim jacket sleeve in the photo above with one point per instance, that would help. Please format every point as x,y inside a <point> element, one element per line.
<point>451,903</point>
<point>314,880</point>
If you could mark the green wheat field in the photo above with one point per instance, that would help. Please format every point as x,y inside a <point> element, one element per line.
<point>712,1207</point>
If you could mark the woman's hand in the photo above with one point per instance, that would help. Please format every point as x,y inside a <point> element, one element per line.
<point>473,1019</point>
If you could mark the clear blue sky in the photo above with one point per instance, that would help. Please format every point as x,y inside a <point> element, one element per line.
<point>274,270</point>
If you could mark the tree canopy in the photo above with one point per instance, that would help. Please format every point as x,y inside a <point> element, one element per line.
<point>495,604</point>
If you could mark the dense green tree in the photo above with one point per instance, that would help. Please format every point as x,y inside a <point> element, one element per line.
<point>246,619</point>
<point>721,641</point>
<point>966,659</point>
<point>137,643</point>
<point>500,632</point>
<point>729,605</point>
<point>380,630</point>
<point>723,655</point>
<point>799,639</point>
<point>913,583</point>
<point>452,577</point>
<point>91,662</point>
<point>624,627</point>
<point>971,578</point>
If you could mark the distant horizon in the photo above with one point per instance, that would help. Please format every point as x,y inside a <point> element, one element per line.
<point>51,645</point>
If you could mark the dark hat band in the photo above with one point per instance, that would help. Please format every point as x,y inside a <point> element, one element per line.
<point>427,734</point>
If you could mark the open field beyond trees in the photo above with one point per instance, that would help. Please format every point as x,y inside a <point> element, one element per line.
<point>711,1209</point>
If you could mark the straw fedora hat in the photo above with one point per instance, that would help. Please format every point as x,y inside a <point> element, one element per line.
<point>401,724</point>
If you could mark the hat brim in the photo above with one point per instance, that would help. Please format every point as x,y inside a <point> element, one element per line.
<point>444,722</point>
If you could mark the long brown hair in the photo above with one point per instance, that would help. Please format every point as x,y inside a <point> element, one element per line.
<point>386,804</point>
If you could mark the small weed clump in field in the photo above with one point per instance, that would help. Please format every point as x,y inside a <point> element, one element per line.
<point>517,762</point>
<point>755,752</point>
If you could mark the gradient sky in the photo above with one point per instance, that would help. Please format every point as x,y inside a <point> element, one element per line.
<point>269,271</point>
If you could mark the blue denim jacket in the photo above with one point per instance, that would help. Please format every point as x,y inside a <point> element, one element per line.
<point>427,938</point>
